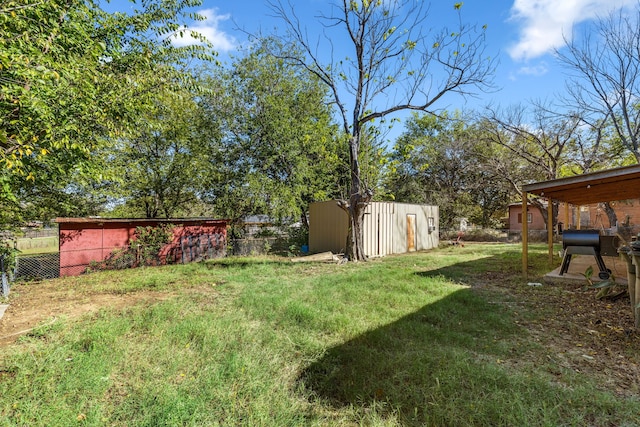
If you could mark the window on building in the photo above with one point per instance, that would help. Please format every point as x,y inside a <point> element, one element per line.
<point>529,218</point>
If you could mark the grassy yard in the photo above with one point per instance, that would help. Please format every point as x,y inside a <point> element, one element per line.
<point>451,337</point>
<point>37,245</point>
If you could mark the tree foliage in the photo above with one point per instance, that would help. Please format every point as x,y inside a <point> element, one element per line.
<point>443,160</point>
<point>279,149</point>
<point>156,170</point>
<point>72,78</point>
<point>382,61</point>
<point>604,69</point>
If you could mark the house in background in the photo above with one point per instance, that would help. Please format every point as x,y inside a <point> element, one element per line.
<point>627,213</point>
<point>535,221</point>
<point>389,228</point>
<point>586,216</point>
<point>84,241</point>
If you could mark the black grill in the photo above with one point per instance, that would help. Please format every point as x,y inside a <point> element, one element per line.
<point>583,242</point>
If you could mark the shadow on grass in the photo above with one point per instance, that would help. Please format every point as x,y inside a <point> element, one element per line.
<point>472,272</point>
<point>238,262</point>
<point>418,363</point>
<point>439,365</point>
<point>506,265</point>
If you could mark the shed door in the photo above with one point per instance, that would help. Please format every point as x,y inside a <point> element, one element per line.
<point>411,232</point>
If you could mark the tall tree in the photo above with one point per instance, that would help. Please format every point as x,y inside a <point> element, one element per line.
<point>392,65</point>
<point>70,77</point>
<point>442,160</point>
<point>544,144</point>
<point>157,169</point>
<point>280,149</point>
<point>604,69</point>
<point>540,143</point>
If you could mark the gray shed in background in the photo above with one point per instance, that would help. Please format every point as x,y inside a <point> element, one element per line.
<point>389,228</point>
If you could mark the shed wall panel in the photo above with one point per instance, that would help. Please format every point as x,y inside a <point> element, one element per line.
<point>378,234</point>
<point>87,240</point>
<point>384,227</point>
<point>328,226</point>
<point>424,238</point>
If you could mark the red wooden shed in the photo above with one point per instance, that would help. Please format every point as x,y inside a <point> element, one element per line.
<point>87,240</point>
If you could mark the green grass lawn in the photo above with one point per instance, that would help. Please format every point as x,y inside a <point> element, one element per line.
<point>400,341</point>
<point>37,245</point>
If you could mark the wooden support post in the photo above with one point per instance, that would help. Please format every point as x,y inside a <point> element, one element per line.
<point>525,235</point>
<point>635,257</point>
<point>550,229</point>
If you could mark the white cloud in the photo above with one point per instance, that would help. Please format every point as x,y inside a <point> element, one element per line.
<point>545,23</point>
<point>539,69</point>
<point>210,29</point>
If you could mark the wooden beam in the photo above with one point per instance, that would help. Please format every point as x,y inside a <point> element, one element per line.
<point>602,186</point>
<point>525,235</point>
<point>550,229</point>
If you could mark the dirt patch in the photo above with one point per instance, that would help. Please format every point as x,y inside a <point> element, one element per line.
<point>578,333</point>
<point>35,304</point>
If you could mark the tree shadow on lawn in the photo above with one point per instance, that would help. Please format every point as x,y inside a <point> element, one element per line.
<point>242,262</point>
<point>428,365</point>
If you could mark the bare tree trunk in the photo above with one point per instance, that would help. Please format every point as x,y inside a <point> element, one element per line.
<point>545,213</point>
<point>304,220</point>
<point>611,214</point>
<point>358,200</point>
<point>355,237</point>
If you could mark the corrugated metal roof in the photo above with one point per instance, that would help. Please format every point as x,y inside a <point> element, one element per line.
<point>129,220</point>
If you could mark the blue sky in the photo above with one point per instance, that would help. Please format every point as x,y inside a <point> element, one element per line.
<point>521,33</point>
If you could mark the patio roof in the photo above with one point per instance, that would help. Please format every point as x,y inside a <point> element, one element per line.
<point>604,186</point>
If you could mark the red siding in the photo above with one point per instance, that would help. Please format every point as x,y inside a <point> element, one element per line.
<point>515,218</point>
<point>83,241</point>
<point>591,216</point>
<point>623,209</point>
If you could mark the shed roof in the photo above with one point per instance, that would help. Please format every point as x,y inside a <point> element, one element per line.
<point>604,186</point>
<point>135,220</point>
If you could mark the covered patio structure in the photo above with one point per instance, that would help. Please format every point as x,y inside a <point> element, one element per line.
<point>604,186</point>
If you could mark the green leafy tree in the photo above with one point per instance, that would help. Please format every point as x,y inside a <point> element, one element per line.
<point>74,77</point>
<point>47,59</point>
<point>392,65</point>
<point>156,170</point>
<point>441,160</point>
<point>280,149</point>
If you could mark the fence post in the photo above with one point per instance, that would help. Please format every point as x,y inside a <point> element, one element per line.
<point>5,279</point>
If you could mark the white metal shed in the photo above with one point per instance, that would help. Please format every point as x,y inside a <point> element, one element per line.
<point>389,228</point>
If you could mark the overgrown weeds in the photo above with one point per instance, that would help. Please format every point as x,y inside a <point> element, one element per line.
<point>434,338</point>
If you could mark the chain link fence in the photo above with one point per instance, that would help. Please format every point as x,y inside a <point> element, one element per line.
<point>43,232</point>
<point>260,246</point>
<point>36,267</point>
<point>47,266</point>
